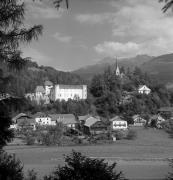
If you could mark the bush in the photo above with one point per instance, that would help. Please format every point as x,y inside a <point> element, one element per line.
<point>79,167</point>
<point>131,134</point>
<point>119,134</point>
<point>10,167</point>
<point>31,175</point>
<point>30,140</point>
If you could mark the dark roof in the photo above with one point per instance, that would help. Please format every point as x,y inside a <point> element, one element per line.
<point>40,89</point>
<point>83,118</point>
<point>25,121</point>
<point>166,109</point>
<point>14,119</point>
<point>48,83</point>
<point>66,118</point>
<point>116,118</point>
<point>40,114</point>
<point>63,86</point>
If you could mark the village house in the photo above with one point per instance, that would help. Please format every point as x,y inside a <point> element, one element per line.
<point>42,119</point>
<point>156,120</point>
<point>22,120</point>
<point>166,112</point>
<point>143,89</point>
<point>118,124</point>
<point>138,120</point>
<point>68,120</point>
<point>94,126</point>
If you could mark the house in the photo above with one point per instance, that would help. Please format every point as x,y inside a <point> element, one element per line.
<point>65,92</point>
<point>166,112</point>
<point>94,126</point>
<point>156,121</point>
<point>143,89</point>
<point>138,120</point>
<point>68,120</point>
<point>117,123</point>
<point>42,119</point>
<point>23,120</point>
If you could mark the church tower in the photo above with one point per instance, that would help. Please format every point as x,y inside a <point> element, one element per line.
<point>117,71</point>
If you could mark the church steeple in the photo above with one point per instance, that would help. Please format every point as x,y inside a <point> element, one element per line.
<point>117,71</point>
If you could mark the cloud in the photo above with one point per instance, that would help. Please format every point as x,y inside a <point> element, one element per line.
<point>65,39</point>
<point>117,49</point>
<point>94,18</point>
<point>40,9</point>
<point>139,27</point>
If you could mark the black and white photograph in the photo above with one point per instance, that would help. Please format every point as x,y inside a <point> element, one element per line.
<point>86,89</point>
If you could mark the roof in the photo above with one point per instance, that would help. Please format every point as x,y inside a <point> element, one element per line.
<point>142,86</point>
<point>90,121</point>
<point>40,89</point>
<point>135,116</point>
<point>14,119</point>
<point>48,83</point>
<point>156,117</point>
<point>26,121</point>
<point>116,118</point>
<point>40,114</point>
<point>63,86</point>
<point>166,109</point>
<point>83,118</point>
<point>66,118</point>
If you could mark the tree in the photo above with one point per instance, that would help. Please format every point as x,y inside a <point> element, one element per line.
<point>80,167</point>
<point>10,167</point>
<point>168,4</point>
<point>12,33</point>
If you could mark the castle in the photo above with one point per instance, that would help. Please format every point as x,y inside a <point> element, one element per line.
<point>50,92</point>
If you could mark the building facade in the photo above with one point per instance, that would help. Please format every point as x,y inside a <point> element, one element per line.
<point>65,92</point>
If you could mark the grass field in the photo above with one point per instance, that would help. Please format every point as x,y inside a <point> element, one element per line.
<point>143,158</point>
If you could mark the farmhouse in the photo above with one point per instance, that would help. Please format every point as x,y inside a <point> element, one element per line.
<point>156,120</point>
<point>23,120</point>
<point>42,119</point>
<point>166,112</point>
<point>65,92</point>
<point>117,123</point>
<point>143,89</point>
<point>94,126</point>
<point>138,120</point>
<point>68,120</point>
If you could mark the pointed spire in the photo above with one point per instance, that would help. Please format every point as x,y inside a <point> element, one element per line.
<point>117,71</point>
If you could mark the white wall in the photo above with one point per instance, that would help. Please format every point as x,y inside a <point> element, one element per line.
<point>119,125</point>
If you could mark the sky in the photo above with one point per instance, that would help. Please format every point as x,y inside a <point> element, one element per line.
<point>93,29</point>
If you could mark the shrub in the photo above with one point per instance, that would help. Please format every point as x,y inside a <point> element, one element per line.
<point>79,167</point>
<point>31,175</point>
<point>30,140</point>
<point>119,135</point>
<point>131,134</point>
<point>10,167</point>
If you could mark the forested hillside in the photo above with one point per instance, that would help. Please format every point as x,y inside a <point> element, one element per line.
<point>26,80</point>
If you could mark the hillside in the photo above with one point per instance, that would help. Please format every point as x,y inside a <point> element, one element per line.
<point>33,75</point>
<point>160,67</point>
<point>89,71</point>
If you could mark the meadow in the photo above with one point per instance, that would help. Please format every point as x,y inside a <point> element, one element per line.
<point>146,157</point>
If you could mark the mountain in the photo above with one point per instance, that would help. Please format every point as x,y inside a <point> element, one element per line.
<point>160,67</point>
<point>89,71</point>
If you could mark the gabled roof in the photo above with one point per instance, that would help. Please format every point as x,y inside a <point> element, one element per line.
<point>90,121</point>
<point>66,119</point>
<point>83,118</point>
<point>166,109</point>
<point>14,119</point>
<point>26,121</point>
<point>143,86</point>
<point>40,89</point>
<point>48,83</point>
<point>116,118</point>
<point>63,86</point>
<point>39,115</point>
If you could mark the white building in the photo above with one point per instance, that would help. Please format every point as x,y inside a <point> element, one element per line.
<point>48,86</point>
<point>42,119</point>
<point>117,123</point>
<point>65,92</point>
<point>143,89</point>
